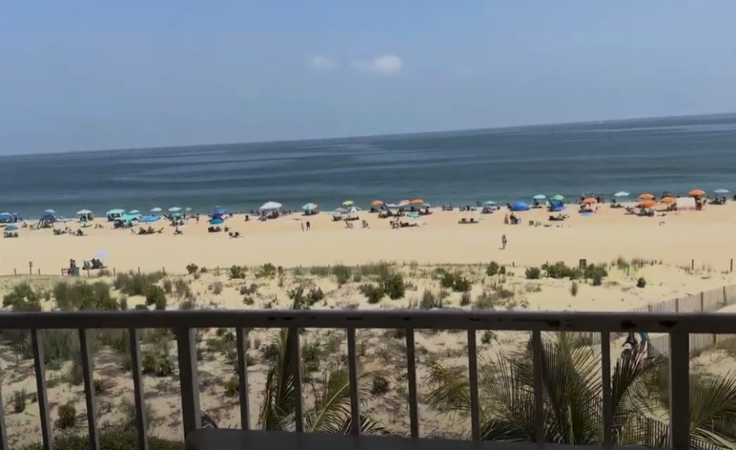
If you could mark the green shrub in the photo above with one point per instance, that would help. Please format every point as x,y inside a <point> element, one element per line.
<point>237,273</point>
<point>342,274</point>
<point>393,286</point>
<point>133,283</point>
<point>192,269</point>
<point>19,401</point>
<point>373,293</point>
<point>455,281</point>
<point>110,439</point>
<point>533,273</point>
<point>168,286</point>
<point>267,270</point>
<point>380,385</point>
<point>21,294</point>
<point>465,299</point>
<point>430,300</point>
<point>158,365</point>
<point>67,416</point>
<point>492,268</point>
<point>232,387</point>
<point>156,296</point>
<point>641,282</point>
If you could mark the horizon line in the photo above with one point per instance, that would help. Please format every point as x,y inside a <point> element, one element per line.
<point>361,136</point>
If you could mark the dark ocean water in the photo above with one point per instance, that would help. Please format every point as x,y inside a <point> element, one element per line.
<point>676,154</point>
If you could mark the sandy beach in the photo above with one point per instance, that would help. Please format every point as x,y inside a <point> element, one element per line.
<point>660,250</point>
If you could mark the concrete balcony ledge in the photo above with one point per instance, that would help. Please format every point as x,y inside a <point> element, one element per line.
<point>220,439</point>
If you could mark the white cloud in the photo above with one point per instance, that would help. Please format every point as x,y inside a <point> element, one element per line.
<point>322,63</point>
<point>384,65</point>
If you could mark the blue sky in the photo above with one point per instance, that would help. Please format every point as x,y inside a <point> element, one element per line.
<point>84,75</point>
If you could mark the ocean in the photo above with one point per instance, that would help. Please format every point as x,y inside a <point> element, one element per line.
<point>510,164</point>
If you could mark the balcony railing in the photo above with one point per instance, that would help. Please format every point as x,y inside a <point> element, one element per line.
<point>184,323</point>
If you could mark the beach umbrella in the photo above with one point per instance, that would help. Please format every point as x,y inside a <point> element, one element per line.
<point>102,254</point>
<point>149,219</point>
<point>490,203</point>
<point>621,194</point>
<point>187,209</point>
<point>155,210</point>
<point>348,203</point>
<point>417,201</point>
<point>557,197</point>
<point>216,222</point>
<point>377,203</point>
<point>392,205</point>
<point>270,205</point>
<point>11,228</point>
<point>721,191</point>
<point>310,207</point>
<point>646,196</point>
<point>589,201</point>
<point>219,211</point>
<point>83,212</point>
<point>696,193</point>
<point>647,203</point>
<point>520,206</point>
<point>404,203</point>
<point>50,211</point>
<point>669,200</point>
<point>174,209</point>
<point>539,197</point>
<point>134,211</point>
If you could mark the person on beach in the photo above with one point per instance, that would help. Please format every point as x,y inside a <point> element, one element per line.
<point>302,227</point>
<point>503,242</point>
<point>309,226</point>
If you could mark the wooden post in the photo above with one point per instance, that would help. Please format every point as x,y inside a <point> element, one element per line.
<point>677,304</point>
<point>39,272</point>
<point>702,301</point>
<point>692,264</point>
<point>163,269</point>
<point>139,271</point>
<point>15,271</point>
<point>30,267</point>
<point>114,272</point>
<point>731,265</point>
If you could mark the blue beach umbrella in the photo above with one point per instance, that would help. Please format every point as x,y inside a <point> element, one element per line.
<point>519,206</point>
<point>621,194</point>
<point>219,211</point>
<point>216,222</point>
<point>540,197</point>
<point>11,228</point>
<point>149,219</point>
<point>310,207</point>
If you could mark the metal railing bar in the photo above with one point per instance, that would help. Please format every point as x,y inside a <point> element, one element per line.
<point>679,390</point>
<point>353,377</point>
<point>241,341</point>
<point>296,370</point>
<point>711,323</point>
<point>43,400</point>
<point>188,379</point>
<point>89,389</point>
<point>606,377</point>
<point>411,372</point>
<point>473,375</point>
<point>538,387</point>
<point>3,431</point>
<point>140,406</point>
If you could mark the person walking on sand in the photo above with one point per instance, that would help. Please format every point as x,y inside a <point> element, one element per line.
<point>302,226</point>
<point>309,226</point>
<point>503,242</point>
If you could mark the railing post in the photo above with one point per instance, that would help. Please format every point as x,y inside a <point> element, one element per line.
<point>607,407</point>
<point>3,431</point>
<point>188,379</point>
<point>538,362</point>
<point>679,390</point>
<point>43,400</point>
<point>353,375</point>
<point>89,389</point>
<point>241,340</point>
<point>140,405</point>
<point>295,353</point>
<point>411,372</point>
<point>473,374</point>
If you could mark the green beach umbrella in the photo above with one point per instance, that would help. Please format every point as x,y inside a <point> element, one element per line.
<point>557,197</point>
<point>348,203</point>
